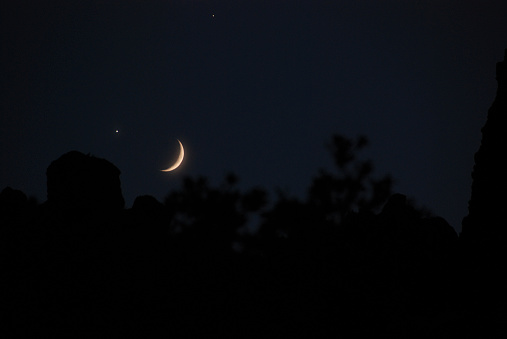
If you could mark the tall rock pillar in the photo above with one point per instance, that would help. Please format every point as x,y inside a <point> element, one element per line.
<point>487,209</point>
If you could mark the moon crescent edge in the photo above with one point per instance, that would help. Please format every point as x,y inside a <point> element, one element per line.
<point>178,161</point>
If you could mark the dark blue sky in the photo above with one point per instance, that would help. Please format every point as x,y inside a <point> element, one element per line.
<point>258,89</point>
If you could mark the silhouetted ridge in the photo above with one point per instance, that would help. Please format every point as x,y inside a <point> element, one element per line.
<point>486,218</point>
<point>15,207</point>
<point>351,260</point>
<point>147,204</point>
<point>11,199</point>
<point>76,180</point>
<point>484,230</point>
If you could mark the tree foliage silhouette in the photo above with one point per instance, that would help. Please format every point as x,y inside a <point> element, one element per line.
<point>212,216</point>
<point>352,187</point>
<point>324,265</point>
<point>331,196</point>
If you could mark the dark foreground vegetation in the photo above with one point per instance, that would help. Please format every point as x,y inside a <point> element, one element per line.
<point>351,259</point>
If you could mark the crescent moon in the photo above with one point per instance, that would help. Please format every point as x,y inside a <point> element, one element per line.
<point>178,162</point>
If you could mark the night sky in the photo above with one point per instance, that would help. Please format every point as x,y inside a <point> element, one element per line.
<point>252,87</point>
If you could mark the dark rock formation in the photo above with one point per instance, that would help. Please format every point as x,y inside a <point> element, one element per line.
<point>12,200</point>
<point>148,210</point>
<point>484,230</point>
<point>84,182</point>
<point>15,207</point>
<point>487,219</point>
<point>147,204</point>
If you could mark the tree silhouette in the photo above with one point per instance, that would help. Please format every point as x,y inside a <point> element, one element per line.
<point>331,196</point>
<point>346,259</point>
<point>352,187</point>
<point>212,216</point>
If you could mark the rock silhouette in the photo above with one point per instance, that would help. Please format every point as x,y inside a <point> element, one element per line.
<point>484,229</point>
<point>487,220</point>
<point>76,180</point>
<point>12,203</point>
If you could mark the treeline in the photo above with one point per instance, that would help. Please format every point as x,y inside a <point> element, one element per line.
<point>351,258</point>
